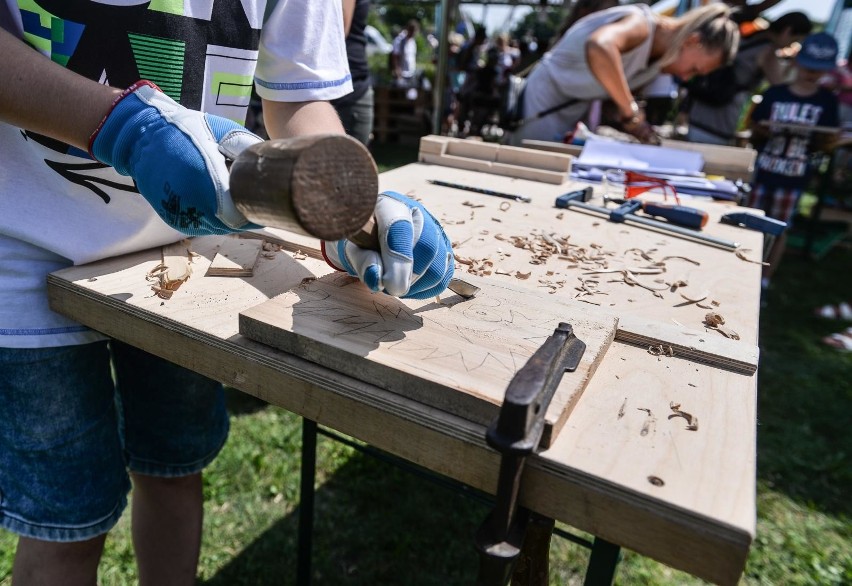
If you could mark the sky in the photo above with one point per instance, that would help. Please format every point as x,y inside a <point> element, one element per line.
<point>496,15</point>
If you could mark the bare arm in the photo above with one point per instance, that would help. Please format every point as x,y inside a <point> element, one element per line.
<point>773,66</point>
<point>286,119</point>
<point>604,49</point>
<point>348,14</point>
<point>40,95</point>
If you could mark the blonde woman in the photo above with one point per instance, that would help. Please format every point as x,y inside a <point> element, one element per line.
<point>611,54</point>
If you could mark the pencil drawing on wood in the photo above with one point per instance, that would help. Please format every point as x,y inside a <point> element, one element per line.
<point>456,356</point>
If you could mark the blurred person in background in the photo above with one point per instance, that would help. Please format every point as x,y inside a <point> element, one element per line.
<point>780,127</point>
<point>356,109</point>
<point>403,58</point>
<point>714,103</point>
<point>615,52</point>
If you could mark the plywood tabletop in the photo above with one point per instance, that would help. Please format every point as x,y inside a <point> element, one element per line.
<point>697,514</point>
<point>486,231</point>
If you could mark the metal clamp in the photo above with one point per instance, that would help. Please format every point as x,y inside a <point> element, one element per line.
<point>516,434</point>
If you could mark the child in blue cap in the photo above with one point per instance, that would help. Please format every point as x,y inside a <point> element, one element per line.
<point>792,123</point>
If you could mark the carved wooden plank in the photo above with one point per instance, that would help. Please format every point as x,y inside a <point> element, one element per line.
<point>495,159</point>
<point>458,356</point>
<point>236,257</point>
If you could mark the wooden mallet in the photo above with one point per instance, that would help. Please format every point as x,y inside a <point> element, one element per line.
<point>325,186</point>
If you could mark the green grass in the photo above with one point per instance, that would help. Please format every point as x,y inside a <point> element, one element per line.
<point>378,525</point>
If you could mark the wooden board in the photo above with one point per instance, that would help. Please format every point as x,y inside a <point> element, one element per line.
<point>482,228</point>
<point>730,162</point>
<point>236,257</point>
<point>495,159</point>
<point>457,355</point>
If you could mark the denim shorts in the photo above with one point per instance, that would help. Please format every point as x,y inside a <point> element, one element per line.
<point>71,428</point>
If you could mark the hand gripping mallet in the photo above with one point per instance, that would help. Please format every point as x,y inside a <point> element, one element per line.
<point>323,185</point>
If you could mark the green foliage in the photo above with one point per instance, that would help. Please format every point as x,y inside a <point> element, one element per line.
<point>542,29</point>
<point>398,15</point>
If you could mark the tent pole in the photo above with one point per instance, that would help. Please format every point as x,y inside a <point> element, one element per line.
<point>439,99</point>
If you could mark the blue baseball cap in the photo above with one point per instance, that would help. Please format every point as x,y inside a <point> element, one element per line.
<point>818,52</point>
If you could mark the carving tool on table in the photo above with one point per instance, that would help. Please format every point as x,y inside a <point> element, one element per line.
<point>578,199</point>
<point>516,435</point>
<point>511,196</point>
<point>324,186</point>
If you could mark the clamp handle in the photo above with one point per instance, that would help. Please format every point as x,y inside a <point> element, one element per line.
<point>516,434</point>
<point>629,207</point>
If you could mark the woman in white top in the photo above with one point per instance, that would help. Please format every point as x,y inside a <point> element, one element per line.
<point>611,54</point>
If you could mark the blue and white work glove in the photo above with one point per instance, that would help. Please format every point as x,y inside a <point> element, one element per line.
<point>416,259</point>
<point>176,157</point>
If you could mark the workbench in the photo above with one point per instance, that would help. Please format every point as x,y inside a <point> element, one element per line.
<point>624,466</point>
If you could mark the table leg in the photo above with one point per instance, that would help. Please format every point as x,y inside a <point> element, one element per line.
<point>533,565</point>
<point>306,501</point>
<point>602,563</point>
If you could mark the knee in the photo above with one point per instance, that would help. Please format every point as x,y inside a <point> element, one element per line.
<point>145,482</point>
<point>45,562</point>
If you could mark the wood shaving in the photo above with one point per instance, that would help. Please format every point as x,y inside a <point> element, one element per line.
<point>165,286</point>
<point>472,205</point>
<point>505,206</point>
<point>639,251</point>
<point>715,322</point>
<point>674,285</point>
<point>741,255</point>
<point>727,332</point>
<point>696,298</point>
<point>587,287</point>
<point>166,282</point>
<point>691,420</point>
<point>632,270</point>
<point>552,285</point>
<point>628,278</point>
<point>695,262</point>
<point>590,302</point>
<point>660,350</point>
<point>714,319</point>
<point>299,255</point>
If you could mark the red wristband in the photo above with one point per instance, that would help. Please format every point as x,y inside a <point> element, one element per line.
<point>121,96</point>
<point>328,260</point>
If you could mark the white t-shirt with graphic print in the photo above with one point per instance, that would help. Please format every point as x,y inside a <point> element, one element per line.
<point>60,207</point>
